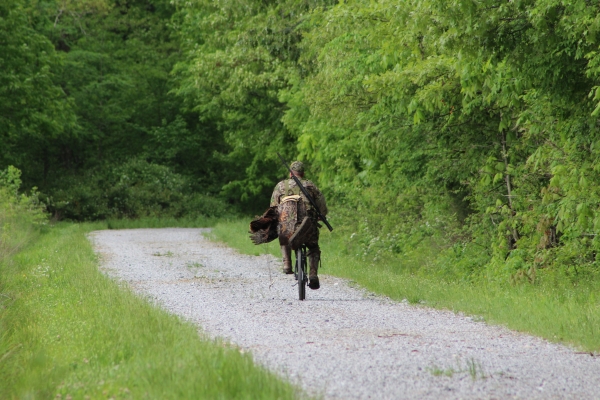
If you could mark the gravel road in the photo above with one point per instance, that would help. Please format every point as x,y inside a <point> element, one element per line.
<point>342,342</point>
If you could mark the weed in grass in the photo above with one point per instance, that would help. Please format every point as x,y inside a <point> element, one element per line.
<point>167,254</point>
<point>436,371</point>
<point>194,266</point>
<point>472,367</point>
<point>475,369</point>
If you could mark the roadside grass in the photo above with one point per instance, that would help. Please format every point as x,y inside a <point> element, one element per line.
<point>234,232</point>
<point>551,308</point>
<point>68,331</point>
<point>155,222</point>
<point>15,234</point>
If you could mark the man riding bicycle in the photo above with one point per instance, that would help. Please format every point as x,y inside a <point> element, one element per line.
<point>287,192</point>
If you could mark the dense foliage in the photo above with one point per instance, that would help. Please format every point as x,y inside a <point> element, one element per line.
<point>484,110</point>
<point>463,131</point>
<point>92,86</point>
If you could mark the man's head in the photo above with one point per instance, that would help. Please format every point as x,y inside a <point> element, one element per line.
<point>297,168</point>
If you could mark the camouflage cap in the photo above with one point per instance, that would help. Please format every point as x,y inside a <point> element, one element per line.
<point>297,166</point>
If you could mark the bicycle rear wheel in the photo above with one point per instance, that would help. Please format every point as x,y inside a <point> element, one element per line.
<point>301,264</point>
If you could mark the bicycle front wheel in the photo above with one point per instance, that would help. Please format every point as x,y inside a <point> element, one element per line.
<point>301,263</point>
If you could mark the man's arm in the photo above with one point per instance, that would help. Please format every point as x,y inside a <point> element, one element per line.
<point>321,203</point>
<point>318,197</point>
<point>276,196</point>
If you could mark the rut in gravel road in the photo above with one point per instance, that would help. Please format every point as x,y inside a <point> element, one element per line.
<point>342,342</point>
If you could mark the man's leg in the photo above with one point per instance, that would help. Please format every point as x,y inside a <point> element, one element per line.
<point>286,251</point>
<point>314,256</point>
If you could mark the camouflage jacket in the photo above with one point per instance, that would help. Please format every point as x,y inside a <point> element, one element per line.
<point>288,187</point>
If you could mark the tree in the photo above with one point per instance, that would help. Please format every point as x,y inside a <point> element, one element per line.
<point>33,107</point>
<point>241,58</point>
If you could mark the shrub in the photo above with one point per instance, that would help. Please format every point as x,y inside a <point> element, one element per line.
<point>20,214</point>
<point>134,189</point>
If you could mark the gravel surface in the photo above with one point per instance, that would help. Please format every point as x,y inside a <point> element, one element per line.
<point>342,342</point>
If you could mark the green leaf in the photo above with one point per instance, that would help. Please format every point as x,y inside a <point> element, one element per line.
<point>498,177</point>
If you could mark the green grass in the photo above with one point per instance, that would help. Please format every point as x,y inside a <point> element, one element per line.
<point>234,232</point>
<point>66,329</point>
<point>556,311</point>
<point>150,222</point>
<point>14,235</point>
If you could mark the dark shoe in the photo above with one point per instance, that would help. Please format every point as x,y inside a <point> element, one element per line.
<point>287,269</point>
<point>313,282</point>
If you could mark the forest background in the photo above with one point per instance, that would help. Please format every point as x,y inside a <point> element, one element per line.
<point>458,137</point>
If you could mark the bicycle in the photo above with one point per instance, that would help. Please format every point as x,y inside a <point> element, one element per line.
<point>300,273</point>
